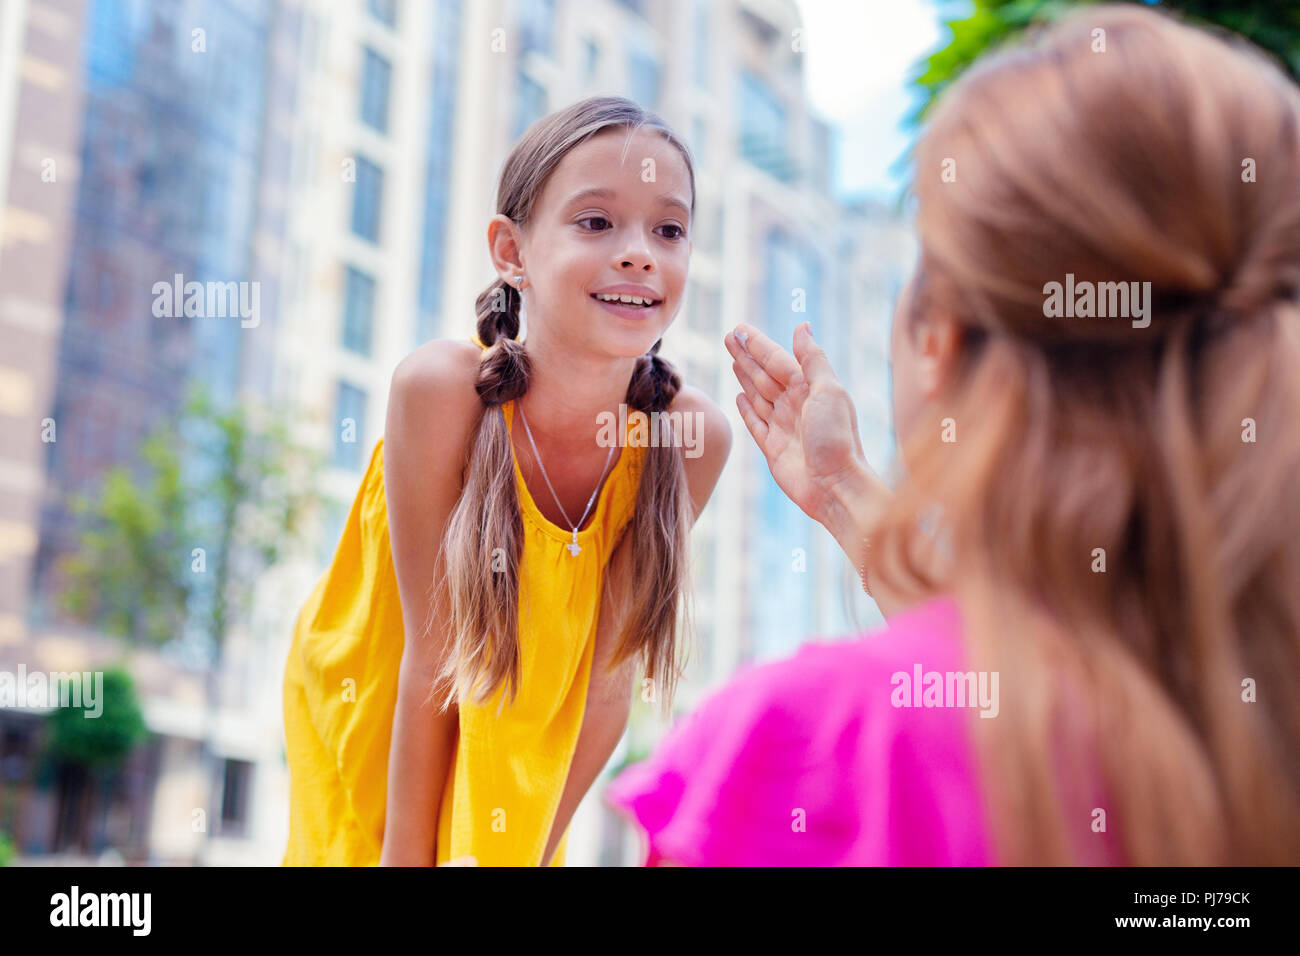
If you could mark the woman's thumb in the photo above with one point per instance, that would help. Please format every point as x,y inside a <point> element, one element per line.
<point>811,358</point>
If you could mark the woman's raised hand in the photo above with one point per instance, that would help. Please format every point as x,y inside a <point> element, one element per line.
<point>803,421</point>
<point>800,415</point>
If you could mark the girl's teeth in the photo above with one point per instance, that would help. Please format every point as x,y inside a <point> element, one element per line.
<point>633,301</point>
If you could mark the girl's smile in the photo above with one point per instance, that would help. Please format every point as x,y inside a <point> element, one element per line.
<point>634,302</point>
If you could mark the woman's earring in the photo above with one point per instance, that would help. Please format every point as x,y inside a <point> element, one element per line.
<point>519,282</point>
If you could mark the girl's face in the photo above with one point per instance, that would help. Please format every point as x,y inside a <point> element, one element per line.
<point>613,218</point>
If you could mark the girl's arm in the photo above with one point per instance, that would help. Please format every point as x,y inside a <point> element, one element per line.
<point>432,409</point>
<point>609,694</point>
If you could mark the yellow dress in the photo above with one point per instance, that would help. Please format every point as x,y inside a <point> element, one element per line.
<point>509,769</point>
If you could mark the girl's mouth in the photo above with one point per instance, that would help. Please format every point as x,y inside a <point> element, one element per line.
<point>635,307</point>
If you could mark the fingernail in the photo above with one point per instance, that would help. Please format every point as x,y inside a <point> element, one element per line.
<point>743,339</point>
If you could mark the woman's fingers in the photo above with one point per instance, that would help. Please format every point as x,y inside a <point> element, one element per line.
<point>812,360</point>
<point>760,403</point>
<point>763,383</point>
<point>775,361</point>
<point>757,427</point>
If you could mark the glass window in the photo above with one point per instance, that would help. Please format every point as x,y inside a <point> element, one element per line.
<point>376,76</point>
<point>643,79</point>
<point>762,128</point>
<point>537,26</point>
<point>702,59</point>
<point>349,422</point>
<point>358,311</point>
<point>366,199</point>
<point>699,139</point>
<point>530,104</point>
<point>384,11</point>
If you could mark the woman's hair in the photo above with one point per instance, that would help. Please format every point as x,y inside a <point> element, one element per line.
<point>483,544</point>
<point>1120,503</point>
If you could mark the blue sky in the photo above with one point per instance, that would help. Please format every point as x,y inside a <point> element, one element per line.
<point>859,55</point>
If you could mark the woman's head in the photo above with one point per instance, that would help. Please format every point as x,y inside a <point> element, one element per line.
<point>1094,377</point>
<point>1122,147</point>
<point>595,199</point>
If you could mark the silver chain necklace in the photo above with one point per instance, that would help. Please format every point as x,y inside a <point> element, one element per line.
<point>573,548</point>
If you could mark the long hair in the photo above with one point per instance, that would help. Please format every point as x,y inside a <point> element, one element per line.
<point>1121,504</point>
<point>483,544</point>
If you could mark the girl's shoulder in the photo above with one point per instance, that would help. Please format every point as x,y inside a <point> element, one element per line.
<point>435,385</point>
<point>705,435</point>
<point>433,414</point>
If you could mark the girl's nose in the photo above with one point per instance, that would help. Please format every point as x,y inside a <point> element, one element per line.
<point>645,262</point>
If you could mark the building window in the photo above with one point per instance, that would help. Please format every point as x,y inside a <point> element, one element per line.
<point>385,11</point>
<point>237,777</point>
<point>763,139</point>
<point>336,515</point>
<point>358,311</point>
<point>366,199</point>
<point>376,76</point>
<point>643,80</point>
<point>437,182</point>
<point>349,422</point>
<point>537,26</point>
<point>702,60</point>
<point>530,105</point>
<point>699,138</point>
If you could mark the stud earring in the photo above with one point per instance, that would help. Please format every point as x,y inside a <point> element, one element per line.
<point>519,281</point>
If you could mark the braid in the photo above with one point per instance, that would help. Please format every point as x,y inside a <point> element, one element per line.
<point>504,370</point>
<point>655,382</point>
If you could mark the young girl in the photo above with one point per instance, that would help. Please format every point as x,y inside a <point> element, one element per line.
<point>1109,562</point>
<point>499,560</point>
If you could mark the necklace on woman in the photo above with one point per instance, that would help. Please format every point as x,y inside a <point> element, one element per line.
<point>573,548</point>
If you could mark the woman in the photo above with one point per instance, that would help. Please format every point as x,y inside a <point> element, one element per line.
<point>1100,514</point>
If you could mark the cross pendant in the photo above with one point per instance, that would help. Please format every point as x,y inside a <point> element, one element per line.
<point>573,548</point>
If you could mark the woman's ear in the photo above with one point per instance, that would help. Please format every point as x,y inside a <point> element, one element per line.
<point>938,351</point>
<point>505,245</point>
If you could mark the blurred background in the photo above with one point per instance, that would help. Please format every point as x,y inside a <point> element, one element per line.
<point>174,475</point>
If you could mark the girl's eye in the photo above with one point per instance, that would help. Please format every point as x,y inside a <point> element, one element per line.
<point>594,219</point>
<point>672,225</point>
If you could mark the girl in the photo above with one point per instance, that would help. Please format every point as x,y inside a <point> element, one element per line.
<point>498,560</point>
<point>1114,575</point>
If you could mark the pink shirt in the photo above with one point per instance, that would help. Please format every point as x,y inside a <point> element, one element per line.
<point>813,761</point>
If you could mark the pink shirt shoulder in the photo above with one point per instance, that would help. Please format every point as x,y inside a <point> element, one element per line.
<point>814,761</point>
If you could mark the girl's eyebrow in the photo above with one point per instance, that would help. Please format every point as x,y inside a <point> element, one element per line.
<point>599,192</point>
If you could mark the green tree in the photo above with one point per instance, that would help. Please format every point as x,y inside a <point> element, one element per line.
<point>179,546</point>
<point>1273,25</point>
<point>94,748</point>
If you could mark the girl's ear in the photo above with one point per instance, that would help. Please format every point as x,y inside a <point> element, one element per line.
<point>505,245</point>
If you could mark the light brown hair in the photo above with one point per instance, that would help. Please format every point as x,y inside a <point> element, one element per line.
<point>1089,433</point>
<point>484,605</point>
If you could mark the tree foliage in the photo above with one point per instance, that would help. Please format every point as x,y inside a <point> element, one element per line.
<point>1273,25</point>
<point>222,494</point>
